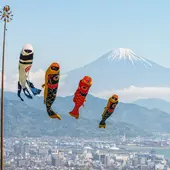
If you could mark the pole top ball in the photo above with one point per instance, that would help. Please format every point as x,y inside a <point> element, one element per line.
<point>6,8</point>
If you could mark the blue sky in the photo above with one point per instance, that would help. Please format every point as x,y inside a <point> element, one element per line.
<point>76,32</point>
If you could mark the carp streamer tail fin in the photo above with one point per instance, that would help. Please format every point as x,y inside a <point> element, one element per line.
<point>19,91</point>
<point>52,114</point>
<point>27,93</point>
<point>75,112</point>
<point>34,90</point>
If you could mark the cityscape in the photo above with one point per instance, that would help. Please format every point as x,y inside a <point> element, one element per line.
<point>69,153</point>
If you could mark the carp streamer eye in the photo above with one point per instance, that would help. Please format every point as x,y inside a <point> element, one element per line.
<point>28,51</point>
<point>55,78</point>
<point>54,68</point>
<point>114,98</point>
<point>84,87</point>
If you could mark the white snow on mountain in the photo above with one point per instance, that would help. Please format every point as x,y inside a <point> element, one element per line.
<point>127,54</point>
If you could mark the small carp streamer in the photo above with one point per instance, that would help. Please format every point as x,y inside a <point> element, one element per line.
<point>52,77</point>
<point>80,95</point>
<point>109,109</point>
<point>25,63</point>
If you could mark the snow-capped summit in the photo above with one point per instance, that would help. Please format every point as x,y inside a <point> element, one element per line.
<point>127,54</point>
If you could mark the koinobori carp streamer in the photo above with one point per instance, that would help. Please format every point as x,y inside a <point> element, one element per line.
<point>25,63</point>
<point>52,77</point>
<point>80,95</point>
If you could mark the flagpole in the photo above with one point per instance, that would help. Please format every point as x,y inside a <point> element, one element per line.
<point>6,16</point>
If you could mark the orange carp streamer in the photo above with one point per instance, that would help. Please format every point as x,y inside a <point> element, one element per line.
<point>80,95</point>
<point>52,77</point>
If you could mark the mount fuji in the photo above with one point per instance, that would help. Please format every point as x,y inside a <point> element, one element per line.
<point>117,69</point>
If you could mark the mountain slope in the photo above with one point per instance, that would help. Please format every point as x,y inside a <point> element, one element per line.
<point>117,69</point>
<point>154,104</point>
<point>30,117</point>
<point>24,120</point>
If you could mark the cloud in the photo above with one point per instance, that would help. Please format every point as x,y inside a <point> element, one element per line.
<point>37,77</point>
<point>133,93</point>
<point>62,77</point>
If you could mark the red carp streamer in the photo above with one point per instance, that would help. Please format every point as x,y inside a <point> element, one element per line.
<point>80,95</point>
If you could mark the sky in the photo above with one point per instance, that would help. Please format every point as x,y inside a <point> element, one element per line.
<point>74,32</point>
